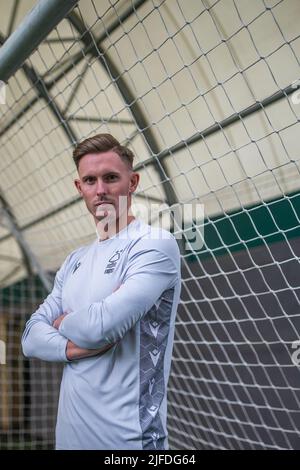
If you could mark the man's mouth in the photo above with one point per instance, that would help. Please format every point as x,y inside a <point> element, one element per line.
<point>103,202</point>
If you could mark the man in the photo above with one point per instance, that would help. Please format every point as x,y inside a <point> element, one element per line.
<point>111,315</point>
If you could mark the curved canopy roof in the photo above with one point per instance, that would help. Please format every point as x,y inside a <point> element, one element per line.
<point>200,90</point>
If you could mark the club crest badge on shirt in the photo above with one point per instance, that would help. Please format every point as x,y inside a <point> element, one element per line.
<point>112,262</point>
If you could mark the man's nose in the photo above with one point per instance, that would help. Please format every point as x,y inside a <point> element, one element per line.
<point>101,188</point>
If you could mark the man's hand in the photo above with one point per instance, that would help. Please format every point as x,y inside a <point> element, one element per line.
<point>58,320</point>
<point>74,352</point>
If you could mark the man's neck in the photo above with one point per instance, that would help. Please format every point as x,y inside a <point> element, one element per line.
<point>107,230</point>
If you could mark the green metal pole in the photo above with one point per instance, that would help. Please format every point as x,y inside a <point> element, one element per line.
<point>35,27</point>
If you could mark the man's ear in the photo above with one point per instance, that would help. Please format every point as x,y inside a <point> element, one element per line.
<point>77,183</point>
<point>134,181</point>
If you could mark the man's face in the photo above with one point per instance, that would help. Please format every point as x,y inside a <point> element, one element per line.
<point>104,181</point>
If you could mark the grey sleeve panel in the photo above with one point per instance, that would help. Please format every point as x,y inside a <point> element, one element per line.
<point>153,266</point>
<point>40,339</point>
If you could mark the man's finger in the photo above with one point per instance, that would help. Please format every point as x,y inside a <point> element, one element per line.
<point>58,320</point>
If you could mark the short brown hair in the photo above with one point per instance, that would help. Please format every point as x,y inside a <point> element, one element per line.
<point>102,143</point>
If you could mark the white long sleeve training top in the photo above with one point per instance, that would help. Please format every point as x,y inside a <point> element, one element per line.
<point>122,291</point>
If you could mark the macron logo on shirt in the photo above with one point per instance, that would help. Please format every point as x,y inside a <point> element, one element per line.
<point>112,262</point>
<point>76,266</point>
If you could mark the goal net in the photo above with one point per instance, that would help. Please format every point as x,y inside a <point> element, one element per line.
<point>206,94</point>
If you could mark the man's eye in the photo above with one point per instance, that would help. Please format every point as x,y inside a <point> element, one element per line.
<point>111,177</point>
<point>89,180</point>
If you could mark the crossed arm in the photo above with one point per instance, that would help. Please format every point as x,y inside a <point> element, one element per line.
<point>52,336</point>
<point>74,352</point>
<point>41,338</point>
<point>43,341</point>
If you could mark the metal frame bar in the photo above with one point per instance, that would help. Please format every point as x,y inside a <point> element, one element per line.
<point>192,140</point>
<point>64,206</point>
<point>35,27</point>
<point>58,40</point>
<point>92,46</point>
<point>30,260</point>
<point>104,119</point>
<point>129,99</point>
<point>182,145</point>
<point>43,91</point>
<point>73,61</point>
<point>41,88</point>
<point>76,58</point>
<point>16,49</point>
<point>218,126</point>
